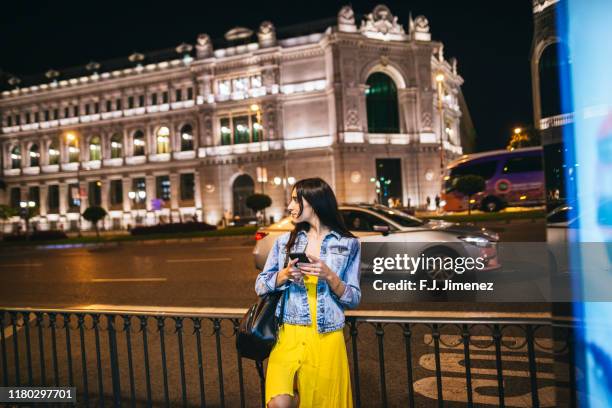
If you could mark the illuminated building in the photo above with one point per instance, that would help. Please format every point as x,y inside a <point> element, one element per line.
<point>192,131</point>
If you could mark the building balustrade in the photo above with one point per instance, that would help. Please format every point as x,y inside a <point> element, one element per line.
<point>557,120</point>
<point>31,170</point>
<point>50,168</point>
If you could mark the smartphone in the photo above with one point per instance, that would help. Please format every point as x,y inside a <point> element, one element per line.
<point>301,256</point>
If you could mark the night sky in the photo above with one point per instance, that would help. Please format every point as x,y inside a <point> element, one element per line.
<point>490,39</point>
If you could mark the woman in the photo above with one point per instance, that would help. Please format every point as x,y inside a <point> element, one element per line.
<point>310,352</point>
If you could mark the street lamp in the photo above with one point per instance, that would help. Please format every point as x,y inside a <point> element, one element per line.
<point>440,83</point>
<point>25,212</point>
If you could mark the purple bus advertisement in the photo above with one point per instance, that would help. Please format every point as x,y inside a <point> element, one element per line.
<point>512,178</point>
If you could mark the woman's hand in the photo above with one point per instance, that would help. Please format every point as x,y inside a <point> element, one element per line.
<point>318,268</point>
<point>290,272</point>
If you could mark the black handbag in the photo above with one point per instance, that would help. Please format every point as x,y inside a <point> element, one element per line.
<point>258,328</point>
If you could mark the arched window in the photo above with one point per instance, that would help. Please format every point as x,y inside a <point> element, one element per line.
<point>95,150</point>
<point>381,104</point>
<point>34,156</point>
<point>186,138</point>
<point>139,143</point>
<point>242,188</point>
<point>163,140</point>
<point>116,147</point>
<point>54,153</point>
<point>73,148</point>
<point>554,62</point>
<point>16,158</point>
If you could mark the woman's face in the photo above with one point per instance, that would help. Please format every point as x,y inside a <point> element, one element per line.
<point>294,209</point>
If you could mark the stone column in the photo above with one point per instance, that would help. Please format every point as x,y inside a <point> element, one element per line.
<point>44,151</point>
<point>150,190</point>
<point>105,193</point>
<point>42,205</point>
<point>174,190</point>
<point>63,198</point>
<point>197,186</point>
<point>83,188</point>
<point>127,186</point>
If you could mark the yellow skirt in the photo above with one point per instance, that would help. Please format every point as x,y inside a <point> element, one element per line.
<point>319,360</point>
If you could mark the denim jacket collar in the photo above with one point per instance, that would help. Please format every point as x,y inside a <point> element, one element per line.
<point>332,232</point>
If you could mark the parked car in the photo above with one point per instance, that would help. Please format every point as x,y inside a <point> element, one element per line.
<point>377,223</point>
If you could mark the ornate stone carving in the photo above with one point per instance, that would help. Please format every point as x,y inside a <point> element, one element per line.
<point>426,120</point>
<point>352,120</point>
<point>540,5</point>
<point>268,77</point>
<point>346,20</point>
<point>381,23</point>
<point>204,46</point>
<point>266,34</point>
<point>419,29</point>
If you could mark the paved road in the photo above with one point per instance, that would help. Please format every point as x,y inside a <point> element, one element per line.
<point>220,273</point>
<point>216,273</point>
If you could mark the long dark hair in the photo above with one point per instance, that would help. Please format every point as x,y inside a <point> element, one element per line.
<point>323,202</point>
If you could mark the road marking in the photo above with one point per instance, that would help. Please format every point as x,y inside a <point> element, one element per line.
<point>198,260</point>
<point>129,280</point>
<point>20,265</point>
<point>174,310</point>
<point>230,247</point>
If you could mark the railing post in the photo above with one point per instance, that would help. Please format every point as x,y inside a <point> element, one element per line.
<point>114,360</point>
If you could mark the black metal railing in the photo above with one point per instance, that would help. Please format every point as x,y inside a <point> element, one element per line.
<point>137,358</point>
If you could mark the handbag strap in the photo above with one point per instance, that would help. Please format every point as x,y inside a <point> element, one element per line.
<point>283,296</point>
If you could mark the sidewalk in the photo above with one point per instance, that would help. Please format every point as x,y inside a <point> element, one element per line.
<point>111,238</point>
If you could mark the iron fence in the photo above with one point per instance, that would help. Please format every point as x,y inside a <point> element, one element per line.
<point>161,359</point>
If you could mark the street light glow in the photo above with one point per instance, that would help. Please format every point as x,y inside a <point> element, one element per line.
<point>439,77</point>
<point>517,130</point>
<point>254,107</point>
<point>23,204</point>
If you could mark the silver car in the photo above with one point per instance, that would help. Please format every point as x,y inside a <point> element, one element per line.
<point>377,223</point>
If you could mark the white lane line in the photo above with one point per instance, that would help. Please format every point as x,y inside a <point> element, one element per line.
<point>229,247</point>
<point>20,265</point>
<point>160,309</point>
<point>129,280</point>
<point>198,260</point>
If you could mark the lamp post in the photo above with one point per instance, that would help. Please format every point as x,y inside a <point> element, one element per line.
<point>25,211</point>
<point>440,83</point>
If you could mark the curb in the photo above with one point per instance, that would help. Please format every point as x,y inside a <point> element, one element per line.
<point>121,243</point>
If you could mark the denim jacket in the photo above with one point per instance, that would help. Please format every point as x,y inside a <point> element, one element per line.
<point>342,255</point>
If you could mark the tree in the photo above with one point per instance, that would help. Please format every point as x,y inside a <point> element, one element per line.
<point>258,202</point>
<point>94,214</point>
<point>524,137</point>
<point>469,185</point>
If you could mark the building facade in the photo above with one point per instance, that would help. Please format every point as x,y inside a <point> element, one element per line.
<point>550,64</point>
<point>370,106</point>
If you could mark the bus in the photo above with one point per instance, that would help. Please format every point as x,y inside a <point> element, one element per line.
<point>513,178</point>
